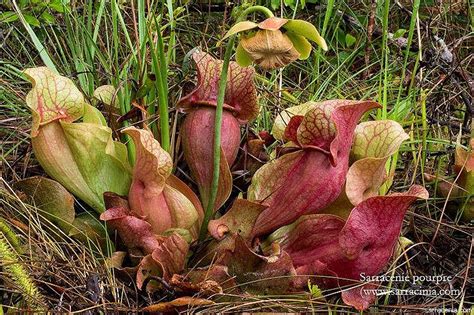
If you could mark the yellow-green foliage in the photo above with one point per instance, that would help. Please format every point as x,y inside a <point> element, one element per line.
<point>12,267</point>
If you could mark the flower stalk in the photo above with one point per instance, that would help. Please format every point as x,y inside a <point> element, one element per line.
<point>218,120</point>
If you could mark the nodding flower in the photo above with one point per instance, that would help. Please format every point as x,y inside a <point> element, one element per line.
<point>275,42</point>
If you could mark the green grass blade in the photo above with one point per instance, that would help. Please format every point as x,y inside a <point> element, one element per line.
<point>36,42</point>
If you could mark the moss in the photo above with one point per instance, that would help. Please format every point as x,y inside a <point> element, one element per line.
<point>13,268</point>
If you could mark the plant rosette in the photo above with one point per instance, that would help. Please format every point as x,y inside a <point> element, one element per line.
<point>315,215</point>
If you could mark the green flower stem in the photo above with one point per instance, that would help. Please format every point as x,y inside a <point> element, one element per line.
<point>255,8</point>
<point>217,138</point>
<point>218,119</point>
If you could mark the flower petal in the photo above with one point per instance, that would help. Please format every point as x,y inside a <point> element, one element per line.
<point>216,273</point>
<point>301,44</point>
<point>463,159</point>
<point>291,131</point>
<point>88,229</point>
<point>307,30</point>
<point>270,49</point>
<point>251,157</point>
<point>242,58</point>
<point>240,95</point>
<point>341,206</point>
<point>260,274</point>
<point>366,240</point>
<point>372,230</point>
<point>150,197</point>
<point>176,305</point>
<point>93,116</point>
<point>377,139</point>
<point>268,178</point>
<point>310,238</point>
<point>240,27</point>
<point>179,185</point>
<point>202,288</point>
<point>153,164</point>
<point>323,245</point>
<point>272,23</point>
<point>182,210</point>
<point>360,297</point>
<point>103,167</point>
<point>171,254</point>
<point>105,94</point>
<point>52,151</point>
<point>329,124</point>
<point>152,167</point>
<point>81,156</point>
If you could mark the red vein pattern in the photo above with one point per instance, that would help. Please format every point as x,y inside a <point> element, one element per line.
<point>316,174</point>
<point>323,245</point>
<point>240,95</point>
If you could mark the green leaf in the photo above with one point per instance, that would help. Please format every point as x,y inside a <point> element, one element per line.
<point>145,89</point>
<point>51,197</point>
<point>31,20</point>
<point>399,33</point>
<point>23,3</point>
<point>105,94</point>
<point>343,56</point>
<point>93,116</point>
<point>307,30</point>
<point>36,42</point>
<point>275,4</point>
<point>314,290</point>
<point>290,3</point>
<point>57,6</point>
<point>301,44</point>
<point>81,156</point>
<point>8,17</point>
<point>350,40</point>
<point>53,153</point>
<point>94,151</point>
<point>48,17</point>
<point>374,142</point>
